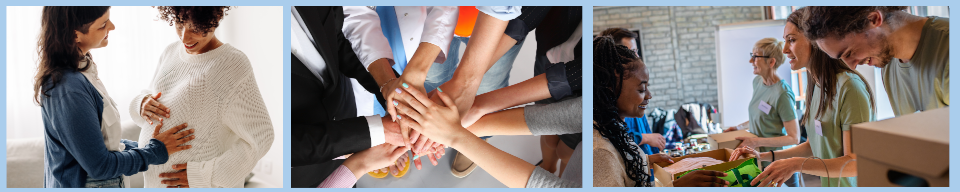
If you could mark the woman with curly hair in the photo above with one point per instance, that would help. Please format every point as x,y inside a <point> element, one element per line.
<point>81,122</point>
<point>620,91</point>
<point>210,85</point>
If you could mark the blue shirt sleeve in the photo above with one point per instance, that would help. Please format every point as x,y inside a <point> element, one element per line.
<point>644,128</point>
<point>638,127</point>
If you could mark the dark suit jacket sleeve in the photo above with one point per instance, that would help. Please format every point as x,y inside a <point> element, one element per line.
<point>324,141</point>
<point>351,66</point>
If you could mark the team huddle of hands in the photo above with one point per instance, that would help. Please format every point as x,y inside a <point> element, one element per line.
<point>423,123</point>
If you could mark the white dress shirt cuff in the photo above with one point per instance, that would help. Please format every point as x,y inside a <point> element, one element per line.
<point>376,130</point>
<point>503,13</point>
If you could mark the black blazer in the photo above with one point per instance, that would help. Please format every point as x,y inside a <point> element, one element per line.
<point>324,115</point>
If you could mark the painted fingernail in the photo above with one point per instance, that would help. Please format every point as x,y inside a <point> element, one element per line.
<point>438,89</point>
<point>416,156</point>
<point>405,85</point>
<point>398,90</point>
<point>395,103</point>
<point>398,117</point>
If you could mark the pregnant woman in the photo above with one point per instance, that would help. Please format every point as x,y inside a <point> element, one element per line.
<point>211,85</point>
<point>81,122</point>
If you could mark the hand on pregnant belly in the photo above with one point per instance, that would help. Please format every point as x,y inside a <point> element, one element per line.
<point>151,109</point>
<point>174,138</point>
<point>176,179</point>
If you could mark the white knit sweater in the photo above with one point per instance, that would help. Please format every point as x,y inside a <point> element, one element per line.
<point>216,94</point>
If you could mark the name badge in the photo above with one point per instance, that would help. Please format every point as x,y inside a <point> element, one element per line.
<point>819,128</point>
<point>765,107</point>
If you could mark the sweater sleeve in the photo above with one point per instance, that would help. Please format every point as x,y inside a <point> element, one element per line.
<point>605,169</point>
<point>541,178</point>
<point>128,144</point>
<point>78,129</point>
<point>246,116</point>
<point>554,119</point>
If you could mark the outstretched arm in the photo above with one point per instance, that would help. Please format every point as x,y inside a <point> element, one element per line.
<point>487,44</point>
<point>533,89</point>
<point>442,124</point>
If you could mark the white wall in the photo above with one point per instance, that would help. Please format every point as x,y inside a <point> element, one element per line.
<point>734,71</point>
<point>128,62</point>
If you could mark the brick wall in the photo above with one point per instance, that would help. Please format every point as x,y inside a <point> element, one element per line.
<point>678,46</point>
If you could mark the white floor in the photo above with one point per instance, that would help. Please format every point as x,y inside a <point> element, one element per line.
<point>524,147</point>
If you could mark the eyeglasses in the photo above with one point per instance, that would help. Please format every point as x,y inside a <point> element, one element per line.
<point>752,56</point>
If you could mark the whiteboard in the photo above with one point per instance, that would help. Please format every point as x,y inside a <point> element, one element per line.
<point>735,73</point>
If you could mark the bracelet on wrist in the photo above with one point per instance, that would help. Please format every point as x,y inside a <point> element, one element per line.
<point>385,83</point>
<point>773,156</point>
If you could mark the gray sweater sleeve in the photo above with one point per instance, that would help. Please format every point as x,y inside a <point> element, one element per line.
<point>572,174</point>
<point>562,117</point>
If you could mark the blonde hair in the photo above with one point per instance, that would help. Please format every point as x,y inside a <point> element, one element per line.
<point>770,47</point>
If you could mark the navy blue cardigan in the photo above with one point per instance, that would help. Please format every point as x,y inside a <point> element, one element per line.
<point>74,143</point>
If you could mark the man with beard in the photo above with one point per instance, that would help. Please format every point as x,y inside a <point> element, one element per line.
<point>913,51</point>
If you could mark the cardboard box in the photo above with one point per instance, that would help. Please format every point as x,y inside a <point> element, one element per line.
<point>913,146</point>
<point>727,140</point>
<point>872,173</point>
<point>720,154</point>
<point>661,176</point>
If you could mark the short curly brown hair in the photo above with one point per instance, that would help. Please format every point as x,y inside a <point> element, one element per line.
<point>204,18</point>
<point>825,21</point>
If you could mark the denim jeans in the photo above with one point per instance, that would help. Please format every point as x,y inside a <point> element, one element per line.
<point>116,182</point>
<point>497,77</point>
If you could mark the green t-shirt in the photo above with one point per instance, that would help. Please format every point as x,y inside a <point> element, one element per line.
<point>851,105</point>
<point>923,83</point>
<point>769,108</point>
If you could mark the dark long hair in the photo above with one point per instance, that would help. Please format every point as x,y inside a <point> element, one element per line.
<point>822,72</point>
<point>57,46</point>
<point>612,64</point>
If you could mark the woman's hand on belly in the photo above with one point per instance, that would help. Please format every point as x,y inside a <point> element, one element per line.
<point>151,109</point>
<point>177,179</point>
<point>175,137</point>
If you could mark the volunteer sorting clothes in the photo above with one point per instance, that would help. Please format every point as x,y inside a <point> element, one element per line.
<point>772,113</point>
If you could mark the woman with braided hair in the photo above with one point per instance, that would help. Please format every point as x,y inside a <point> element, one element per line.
<point>620,91</point>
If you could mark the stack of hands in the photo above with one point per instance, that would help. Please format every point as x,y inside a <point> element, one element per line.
<point>424,125</point>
